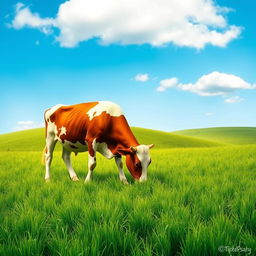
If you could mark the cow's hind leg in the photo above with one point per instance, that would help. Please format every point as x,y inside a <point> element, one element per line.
<point>67,160</point>
<point>50,144</point>
<point>120,168</point>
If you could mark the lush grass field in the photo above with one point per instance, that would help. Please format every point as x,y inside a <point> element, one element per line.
<point>195,200</point>
<point>230,135</point>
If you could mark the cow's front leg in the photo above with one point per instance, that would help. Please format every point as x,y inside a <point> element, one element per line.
<point>91,159</point>
<point>91,166</point>
<point>119,164</point>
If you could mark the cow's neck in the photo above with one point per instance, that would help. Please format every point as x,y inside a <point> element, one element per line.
<point>124,136</point>
<point>128,139</point>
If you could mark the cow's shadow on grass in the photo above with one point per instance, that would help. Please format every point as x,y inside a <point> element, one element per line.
<point>100,177</point>
<point>110,177</point>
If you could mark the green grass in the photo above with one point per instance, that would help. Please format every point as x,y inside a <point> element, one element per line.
<point>194,201</point>
<point>34,140</point>
<point>230,135</point>
<point>200,195</point>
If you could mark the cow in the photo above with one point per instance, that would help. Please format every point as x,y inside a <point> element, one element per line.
<point>94,127</point>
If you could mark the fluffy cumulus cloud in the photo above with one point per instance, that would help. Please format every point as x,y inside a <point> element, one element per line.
<point>217,83</point>
<point>27,124</point>
<point>234,99</point>
<point>213,84</point>
<point>167,83</point>
<point>142,77</point>
<point>192,23</point>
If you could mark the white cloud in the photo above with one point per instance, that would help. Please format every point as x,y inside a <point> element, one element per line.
<point>167,83</point>
<point>27,124</point>
<point>142,77</point>
<point>213,84</point>
<point>234,99</point>
<point>191,23</point>
<point>217,83</point>
<point>25,18</point>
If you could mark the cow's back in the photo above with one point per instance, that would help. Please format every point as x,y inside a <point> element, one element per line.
<point>78,126</point>
<point>70,122</point>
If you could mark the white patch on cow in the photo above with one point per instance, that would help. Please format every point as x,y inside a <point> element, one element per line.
<point>63,131</point>
<point>49,112</point>
<point>144,157</point>
<point>102,148</point>
<point>74,147</point>
<point>105,106</point>
<point>51,127</point>
<point>78,147</point>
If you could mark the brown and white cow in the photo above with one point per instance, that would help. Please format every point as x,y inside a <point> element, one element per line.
<point>94,127</point>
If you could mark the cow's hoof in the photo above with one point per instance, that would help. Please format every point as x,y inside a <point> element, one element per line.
<point>125,182</point>
<point>74,178</point>
<point>47,180</point>
<point>87,181</point>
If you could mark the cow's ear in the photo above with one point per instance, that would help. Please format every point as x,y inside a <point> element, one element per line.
<point>151,146</point>
<point>124,151</point>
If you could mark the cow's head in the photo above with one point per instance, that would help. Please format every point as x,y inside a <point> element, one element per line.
<point>137,160</point>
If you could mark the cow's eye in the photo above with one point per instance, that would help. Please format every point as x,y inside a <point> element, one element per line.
<point>137,166</point>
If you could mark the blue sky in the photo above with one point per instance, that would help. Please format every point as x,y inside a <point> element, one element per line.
<point>193,80</point>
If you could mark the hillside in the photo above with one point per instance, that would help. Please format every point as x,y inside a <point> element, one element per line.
<point>231,135</point>
<point>33,140</point>
<point>166,140</point>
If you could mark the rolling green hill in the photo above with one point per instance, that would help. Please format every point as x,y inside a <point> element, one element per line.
<point>33,140</point>
<point>166,140</point>
<point>230,135</point>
